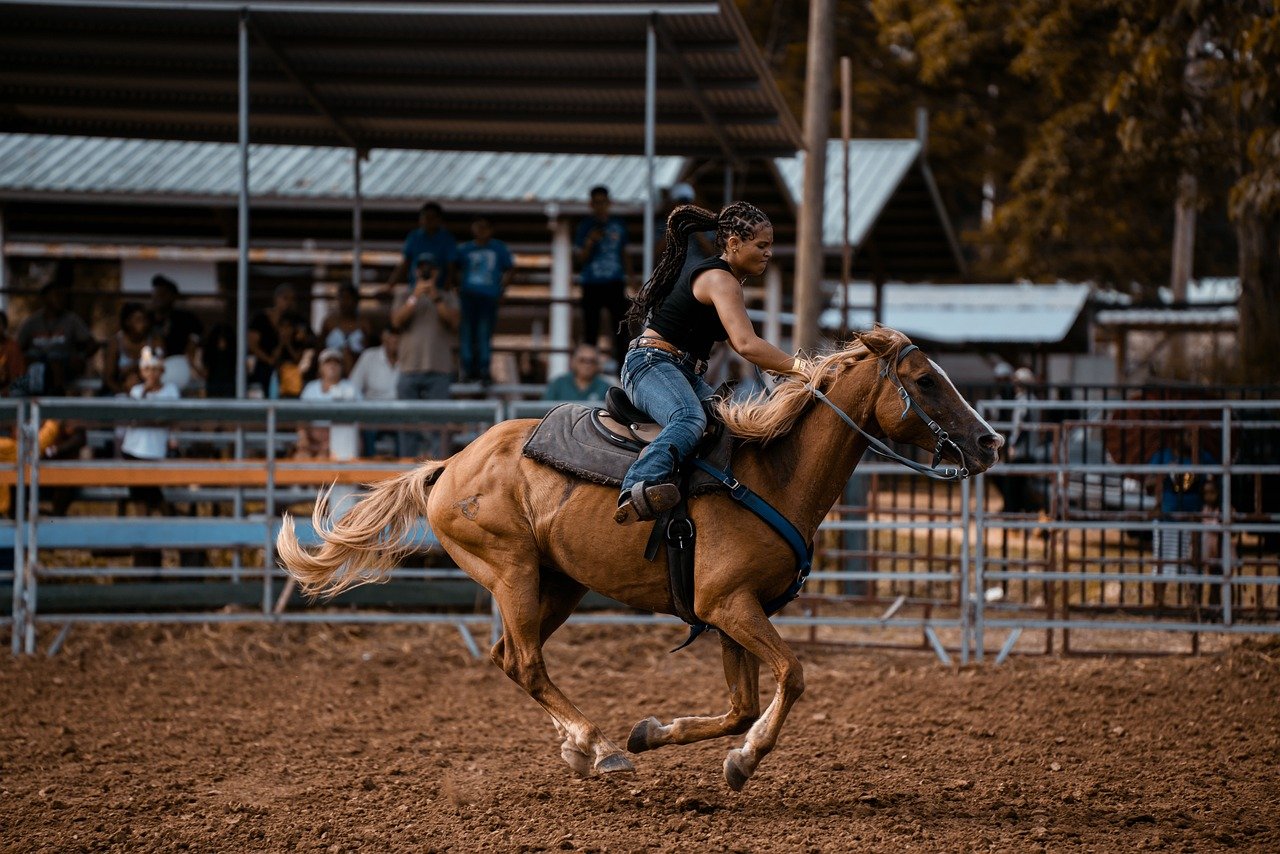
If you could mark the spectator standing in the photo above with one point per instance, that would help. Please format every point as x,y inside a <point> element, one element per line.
<point>218,357</point>
<point>177,331</point>
<point>376,376</point>
<point>599,247</point>
<point>294,356</point>
<point>1017,490</point>
<point>149,442</point>
<point>263,344</point>
<point>343,329</point>
<point>428,247</point>
<point>1181,499</point>
<point>484,270</point>
<point>13,364</point>
<point>55,342</point>
<point>583,382</point>
<point>429,317</point>
<point>124,349</point>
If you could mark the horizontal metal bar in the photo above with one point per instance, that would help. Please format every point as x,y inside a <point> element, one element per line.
<point>259,617</point>
<point>866,575</point>
<point>1149,626</point>
<point>873,622</point>
<point>879,525</point>
<point>1135,405</point>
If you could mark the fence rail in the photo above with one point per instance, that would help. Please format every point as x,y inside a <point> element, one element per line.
<point>1054,541</point>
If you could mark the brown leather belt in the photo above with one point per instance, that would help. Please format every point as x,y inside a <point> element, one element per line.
<point>699,366</point>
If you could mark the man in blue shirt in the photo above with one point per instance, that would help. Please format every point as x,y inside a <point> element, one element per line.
<point>484,269</point>
<point>428,247</point>
<point>599,247</point>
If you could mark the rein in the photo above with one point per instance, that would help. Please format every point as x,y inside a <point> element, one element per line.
<point>890,372</point>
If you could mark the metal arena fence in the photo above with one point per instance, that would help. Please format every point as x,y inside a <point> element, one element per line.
<point>1059,539</point>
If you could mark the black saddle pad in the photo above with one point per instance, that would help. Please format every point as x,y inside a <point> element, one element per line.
<point>571,439</point>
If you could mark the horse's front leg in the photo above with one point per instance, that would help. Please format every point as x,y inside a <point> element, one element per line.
<point>743,619</point>
<point>742,673</point>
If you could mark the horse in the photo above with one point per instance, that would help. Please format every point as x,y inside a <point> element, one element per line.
<point>538,539</point>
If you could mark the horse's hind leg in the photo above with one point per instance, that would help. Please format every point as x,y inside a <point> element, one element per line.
<point>742,673</point>
<point>559,596</point>
<point>532,602</point>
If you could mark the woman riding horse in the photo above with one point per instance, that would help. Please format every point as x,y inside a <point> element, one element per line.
<point>684,314</point>
<point>538,539</point>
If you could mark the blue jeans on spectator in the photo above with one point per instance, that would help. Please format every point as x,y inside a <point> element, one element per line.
<point>422,385</point>
<point>475,334</point>
<point>672,393</point>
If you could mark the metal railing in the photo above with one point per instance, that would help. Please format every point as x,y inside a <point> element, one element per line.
<point>899,552</point>
<point>1092,569</point>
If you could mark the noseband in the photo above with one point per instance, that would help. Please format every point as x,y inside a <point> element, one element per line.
<point>889,371</point>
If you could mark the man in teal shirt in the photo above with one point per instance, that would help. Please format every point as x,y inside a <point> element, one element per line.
<point>583,383</point>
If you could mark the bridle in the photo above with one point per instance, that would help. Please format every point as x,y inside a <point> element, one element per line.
<point>889,371</point>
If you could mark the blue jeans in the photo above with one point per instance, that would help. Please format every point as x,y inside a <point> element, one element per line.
<point>422,385</point>
<point>475,333</point>
<point>668,389</point>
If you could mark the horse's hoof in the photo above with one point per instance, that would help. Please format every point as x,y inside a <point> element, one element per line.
<point>641,738</point>
<point>735,772</point>
<point>614,763</point>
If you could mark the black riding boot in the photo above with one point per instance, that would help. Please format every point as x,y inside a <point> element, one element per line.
<point>646,501</point>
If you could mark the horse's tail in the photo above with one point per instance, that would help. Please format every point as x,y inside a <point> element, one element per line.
<point>367,542</point>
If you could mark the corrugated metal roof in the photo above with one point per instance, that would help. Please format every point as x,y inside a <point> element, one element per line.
<point>150,170</point>
<point>876,168</point>
<point>1226,316</point>
<point>952,314</point>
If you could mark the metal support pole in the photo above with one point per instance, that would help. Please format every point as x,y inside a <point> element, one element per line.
<point>19,525</point>
<point>561,276</point>
<point>728,182</point>
<point>269,511</point>
<point>357,228</point>
<point>242,226</point>
<point>846,249</point>
<point>817,127</point>
<point>1224,496</point>
<point>977,629</point>
<point>650,143</point>
<point>965,542</point>
<point>29,601</point>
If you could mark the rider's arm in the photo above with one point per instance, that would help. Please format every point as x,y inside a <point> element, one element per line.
<point>719,289</point>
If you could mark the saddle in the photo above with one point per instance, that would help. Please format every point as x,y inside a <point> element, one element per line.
<point>599,444</point>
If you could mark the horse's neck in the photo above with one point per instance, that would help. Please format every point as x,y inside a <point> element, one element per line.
<point>804,473</point>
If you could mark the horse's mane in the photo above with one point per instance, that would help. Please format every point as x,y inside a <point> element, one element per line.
<point>763,418</point>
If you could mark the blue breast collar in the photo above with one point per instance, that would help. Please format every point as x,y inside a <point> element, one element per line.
<point>771,517</point>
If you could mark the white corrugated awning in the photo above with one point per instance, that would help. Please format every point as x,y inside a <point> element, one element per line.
<point>954,314</point>
<point>143,171</point>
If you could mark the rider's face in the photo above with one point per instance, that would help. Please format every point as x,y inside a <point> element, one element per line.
<point>751,257</point>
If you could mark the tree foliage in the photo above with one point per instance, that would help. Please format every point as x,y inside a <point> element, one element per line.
<point>1073,120</point>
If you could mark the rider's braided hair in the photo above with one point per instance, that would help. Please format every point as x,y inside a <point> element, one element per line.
<point>740,218</point>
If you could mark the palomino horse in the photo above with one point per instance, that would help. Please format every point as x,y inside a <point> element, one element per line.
<point>538,539</point>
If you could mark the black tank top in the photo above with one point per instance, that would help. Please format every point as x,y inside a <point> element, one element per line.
<point>690,325</point>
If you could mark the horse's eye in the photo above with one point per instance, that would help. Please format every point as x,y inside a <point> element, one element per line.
<point>925,383</point>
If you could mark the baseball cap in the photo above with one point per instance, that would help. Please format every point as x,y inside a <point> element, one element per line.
<point>330,353</point>
<point>682,192</point>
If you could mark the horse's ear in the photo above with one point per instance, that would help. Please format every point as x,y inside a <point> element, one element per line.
<point>878,340</point>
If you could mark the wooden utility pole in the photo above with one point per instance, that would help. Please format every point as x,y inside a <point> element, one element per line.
<point>817,128</point>
<point>846,249</point>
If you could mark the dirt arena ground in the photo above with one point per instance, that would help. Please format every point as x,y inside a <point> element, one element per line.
<point>392,739</point>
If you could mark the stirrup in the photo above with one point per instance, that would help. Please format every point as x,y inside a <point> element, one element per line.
<point>644,503</point>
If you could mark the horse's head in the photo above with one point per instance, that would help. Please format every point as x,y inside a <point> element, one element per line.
<point>916,403</point>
